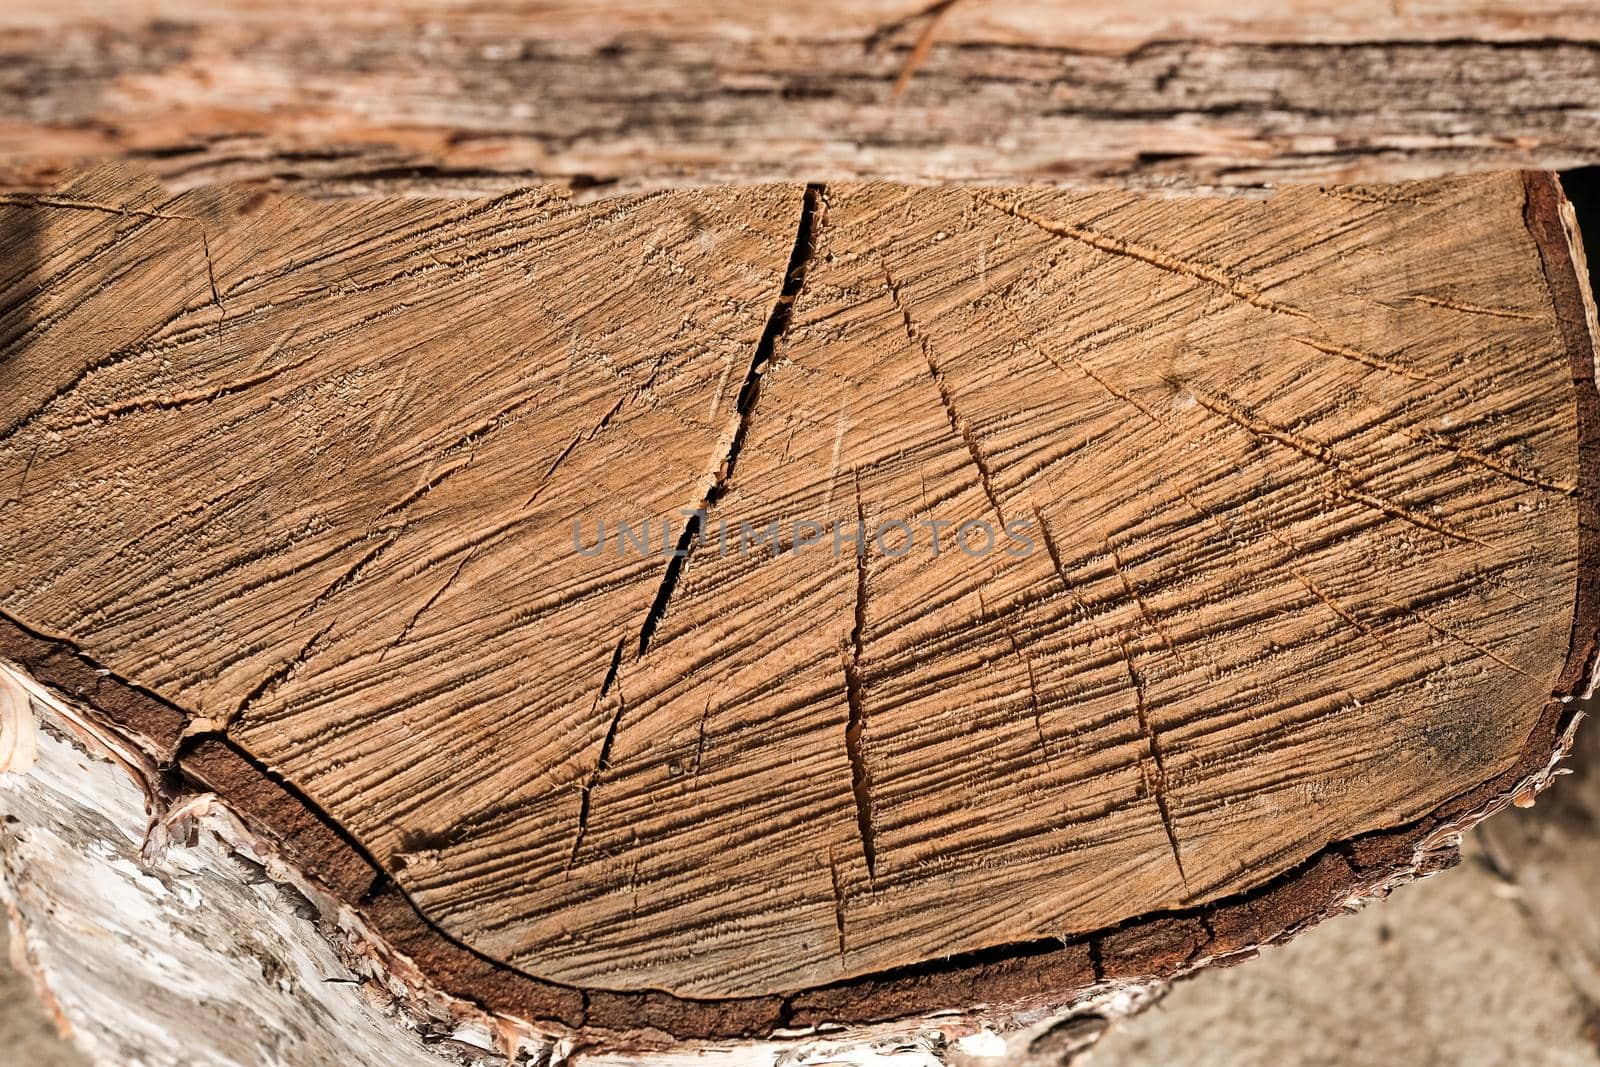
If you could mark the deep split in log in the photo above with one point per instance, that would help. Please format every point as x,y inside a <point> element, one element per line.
<point>1267,565</point>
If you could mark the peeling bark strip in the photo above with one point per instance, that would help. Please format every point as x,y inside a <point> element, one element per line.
<point>429,95</point>
<point>1281,598</point>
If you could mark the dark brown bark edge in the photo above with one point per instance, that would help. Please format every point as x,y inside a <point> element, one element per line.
<point>1005,979</point>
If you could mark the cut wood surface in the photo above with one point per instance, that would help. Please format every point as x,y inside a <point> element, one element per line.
<point>291,491</point>
<point>420,95</point>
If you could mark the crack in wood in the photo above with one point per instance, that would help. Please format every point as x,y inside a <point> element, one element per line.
<point>72,204</point>
<point>1472,309</point>
<point>1228,597</point>
<point>855,698</point>
<point>353,573</point>
<point>1203,512</point>
<point>276,677</point>
<point>1133,594</point>
<point>211,273</point>
<point>1350,492</point>
<point>1344,484</point>
<point>812,213</point>
<point>178,401</point>
<point>1033,690</point>
<point>813,207</point>
<point>27,469</point>
<point>700,739</point>
<point>1483,459</point>
<point>1365,358</point>
<point>1155,784</point>
<point>1444,631</point>
<point>958,425</point>
<point>430,602</point>
<point>838,899</point>
<point>603,761</point>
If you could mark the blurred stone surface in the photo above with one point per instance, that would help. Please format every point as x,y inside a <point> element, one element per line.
<point>1553,853</point>
<point>27,1036</point>
<point>1450,971</point>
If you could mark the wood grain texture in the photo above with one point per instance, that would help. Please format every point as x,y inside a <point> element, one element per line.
<point>431,95</point>
<point>1303,476</point>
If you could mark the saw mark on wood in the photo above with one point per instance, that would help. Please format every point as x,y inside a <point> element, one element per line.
<point>594,431</point>
<point>1305,582</point>
<point>1327,599</point>
<point>84,261</point>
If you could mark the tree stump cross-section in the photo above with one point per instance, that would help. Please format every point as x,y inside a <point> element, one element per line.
<point>1290,513</point>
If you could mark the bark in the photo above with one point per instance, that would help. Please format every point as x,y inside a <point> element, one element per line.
<point>289,555</point>
<point>422,97</point>
<point>162,930</point>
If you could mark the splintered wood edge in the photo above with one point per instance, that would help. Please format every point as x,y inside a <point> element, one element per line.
<point>1004,986</point>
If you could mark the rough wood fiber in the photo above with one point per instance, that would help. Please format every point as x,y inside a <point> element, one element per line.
<point>420,95</point>
<point>1305,477</point>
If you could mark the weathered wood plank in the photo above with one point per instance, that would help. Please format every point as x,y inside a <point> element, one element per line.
<point>437,96</point>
